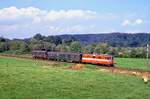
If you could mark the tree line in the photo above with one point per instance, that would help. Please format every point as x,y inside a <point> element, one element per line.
<point>56,43</point>
<point>113,39</point>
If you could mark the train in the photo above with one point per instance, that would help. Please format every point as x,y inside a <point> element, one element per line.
<point>97,59</point>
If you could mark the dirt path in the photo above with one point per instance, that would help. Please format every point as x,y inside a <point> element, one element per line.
<point>145,75</point>
<point>17,56</point>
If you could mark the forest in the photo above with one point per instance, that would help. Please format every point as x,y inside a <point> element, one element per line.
<point>116,44</point>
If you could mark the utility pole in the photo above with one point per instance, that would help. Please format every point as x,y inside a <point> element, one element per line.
<point>145,75</point>
<point>147,53</point>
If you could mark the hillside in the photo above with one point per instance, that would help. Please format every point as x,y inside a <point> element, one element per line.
<point>113,39</point>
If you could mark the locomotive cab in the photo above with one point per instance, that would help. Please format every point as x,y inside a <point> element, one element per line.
<point>99,59</point>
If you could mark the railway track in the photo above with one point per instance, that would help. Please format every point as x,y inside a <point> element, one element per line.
<point>115,70</point>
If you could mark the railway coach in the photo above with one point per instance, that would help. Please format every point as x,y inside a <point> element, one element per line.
<point>65,56</point>
<point>38,54</point>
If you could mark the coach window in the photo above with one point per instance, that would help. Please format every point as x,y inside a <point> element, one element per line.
<point>109,58</point>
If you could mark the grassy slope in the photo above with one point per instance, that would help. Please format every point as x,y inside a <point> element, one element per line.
<point>27,79</point>
<point>133,63</point>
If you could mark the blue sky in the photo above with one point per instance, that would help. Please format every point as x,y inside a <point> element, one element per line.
<point>24,18</point>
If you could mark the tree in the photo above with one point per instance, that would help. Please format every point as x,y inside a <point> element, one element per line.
<point>62,48</point>
<point>49,46</point>
<point>3,46</point>
<point>57,40</point>
<point>75,46</point>
<point>38,47</point>
<point>38,37</point>
<point>49,39</point>
<point>101,48</point>
<point>133,53</point>
<point>113,51</point>
<point>14,45</point>
<point>68,40</point>
<point>2,39</point>
<point>97,49</point>
<point>24,47</point>
<point>89,49</point>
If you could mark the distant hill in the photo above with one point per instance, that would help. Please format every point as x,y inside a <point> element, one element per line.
<point>113,39</point>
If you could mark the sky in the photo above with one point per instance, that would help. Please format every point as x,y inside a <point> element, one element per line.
<point>25,18</point>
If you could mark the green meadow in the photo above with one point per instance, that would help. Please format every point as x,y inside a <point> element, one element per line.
<point>36,79</point>
<point>133,63</point>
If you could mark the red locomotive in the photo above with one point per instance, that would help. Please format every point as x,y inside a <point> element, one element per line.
<point>99,59</point>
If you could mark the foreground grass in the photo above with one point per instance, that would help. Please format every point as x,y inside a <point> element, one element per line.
<point>28,79</point>
<point>133,63</point>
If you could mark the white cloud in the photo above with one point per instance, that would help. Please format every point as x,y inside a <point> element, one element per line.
<point>128,22</point>
<point>70,14</point>
<point>36,14</point>
<point>15,13</point>
<point>34,20</point>
<point>139,21</point>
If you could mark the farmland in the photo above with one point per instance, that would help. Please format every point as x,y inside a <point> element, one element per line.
<point>133,63</point>
<point>32,79</point>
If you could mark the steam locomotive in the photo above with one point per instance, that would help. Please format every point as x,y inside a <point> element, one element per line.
<point>98,59</point>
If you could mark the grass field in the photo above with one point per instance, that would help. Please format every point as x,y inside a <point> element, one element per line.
<point>30,79</point>
<point>133,63</point>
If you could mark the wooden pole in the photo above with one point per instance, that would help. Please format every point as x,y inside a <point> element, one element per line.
<point>147,50</point>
